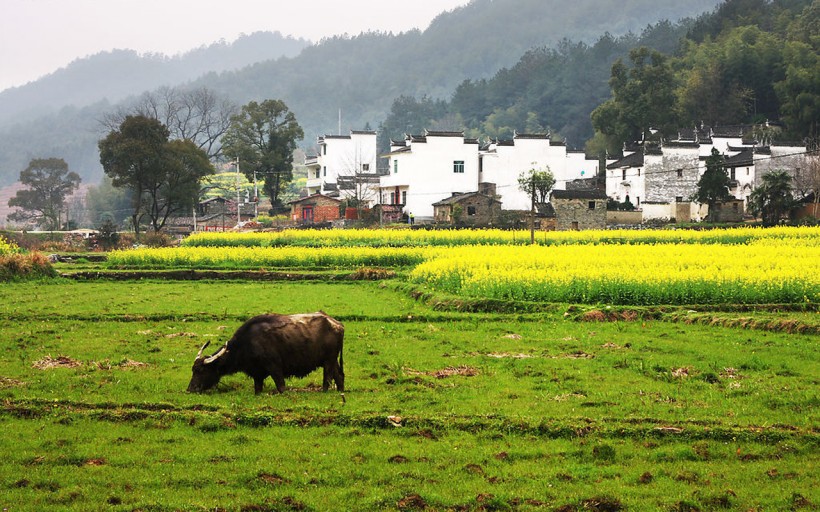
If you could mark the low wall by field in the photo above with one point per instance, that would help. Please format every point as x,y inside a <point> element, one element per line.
<point>619,217</point>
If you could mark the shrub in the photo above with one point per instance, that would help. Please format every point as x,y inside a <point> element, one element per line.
<point>25,266</point>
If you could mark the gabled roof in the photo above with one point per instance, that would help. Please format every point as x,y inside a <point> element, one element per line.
<point>578,194</point>
<point>314,197</point>
<point>430,133</point>
<point>457,198</point>
<point>544,136</point>
<point>743,159</point>
<point>633,160</point>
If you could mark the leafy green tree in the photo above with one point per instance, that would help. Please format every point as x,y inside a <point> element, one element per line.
<point>713,185</point>
<point>773,198</point>
<point>643,98</point>
<point>409,116</point>
<point>538,184</point>
<point>263,138</point>
<point>799,91</point>
<point>107,202</point>
<point>162,175</point>
<point>49,182</point>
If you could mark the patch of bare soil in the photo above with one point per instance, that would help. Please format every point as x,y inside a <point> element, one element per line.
<point>411,502</point>
<point>371,274</point>
<point>272,478</point>
<point>181,335</point>
<point>578,354</point>
<point>128,363</point>
<point>49,362</point>
<point>6,382</point>
<point>450,371</point>
<point>506,355</point>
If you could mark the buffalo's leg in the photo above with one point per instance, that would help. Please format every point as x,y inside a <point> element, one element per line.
<point>339,377</point>
<point>328,373</point>
<point>258,384</point>
<point>279,380</point>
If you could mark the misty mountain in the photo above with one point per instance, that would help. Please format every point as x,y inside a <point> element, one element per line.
<point>360,75</point>
<point>117,74</point>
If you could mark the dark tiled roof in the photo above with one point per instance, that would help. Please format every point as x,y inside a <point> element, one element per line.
<point>742,159</point>
<point>789,143</point>
<point>578,194</point>
<point>544,136</point>
<point>430,133</point>
<point>738,130</point>
<point>311,197</point>
<point>363,132</point>
<point>681,144</point>
<point>457,198</point>
<point>633,160</point>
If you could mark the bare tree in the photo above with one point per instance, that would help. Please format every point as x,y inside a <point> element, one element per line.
<point>197,115</point>
<point>806,180</point>
<point>358,182</point>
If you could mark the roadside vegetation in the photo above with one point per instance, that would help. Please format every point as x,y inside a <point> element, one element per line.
<point>18,264</point>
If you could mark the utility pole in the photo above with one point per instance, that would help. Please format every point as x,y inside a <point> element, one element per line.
<point>532,209</point>
<point>238,210</point>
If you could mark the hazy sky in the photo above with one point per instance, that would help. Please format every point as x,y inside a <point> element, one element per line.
<point>40,36</point>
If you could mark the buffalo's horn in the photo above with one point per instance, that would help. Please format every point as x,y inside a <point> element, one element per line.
<point>203,349</point>
<point>217,355</point>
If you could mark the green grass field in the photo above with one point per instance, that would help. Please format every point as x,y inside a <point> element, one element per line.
<point>444,410</point>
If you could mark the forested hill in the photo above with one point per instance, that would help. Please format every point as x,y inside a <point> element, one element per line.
<point>360,75</point>
<point>118,74</point>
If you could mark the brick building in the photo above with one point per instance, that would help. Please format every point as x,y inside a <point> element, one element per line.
<point>315,209</point>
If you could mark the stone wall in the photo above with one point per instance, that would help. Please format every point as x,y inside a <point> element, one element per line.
<point>619,217</point>
<point>575,214</point>
<point>673,174</point>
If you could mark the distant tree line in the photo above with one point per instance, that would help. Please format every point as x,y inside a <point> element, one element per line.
<point>745,62</point>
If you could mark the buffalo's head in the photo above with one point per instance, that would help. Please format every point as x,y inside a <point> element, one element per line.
<point>205,371</point>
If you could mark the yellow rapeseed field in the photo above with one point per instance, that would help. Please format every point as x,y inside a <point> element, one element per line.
<point>421,237</point>
<point>743,265</point>
<point>761,271</point>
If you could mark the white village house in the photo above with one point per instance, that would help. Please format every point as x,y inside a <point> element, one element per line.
<point>345,167</point>
<point>660,178</point>
<point>502,162</point>
<point>426,169</point>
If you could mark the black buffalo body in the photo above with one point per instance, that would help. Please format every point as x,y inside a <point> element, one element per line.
<point>279,346</point>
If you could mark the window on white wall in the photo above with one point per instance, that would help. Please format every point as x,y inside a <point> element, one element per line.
<point>458,166</point>
<point>365,167</point>
<point>404,197</point>
<point>395,166</point>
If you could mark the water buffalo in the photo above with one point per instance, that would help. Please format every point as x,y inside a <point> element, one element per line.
<point>277,345</point>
